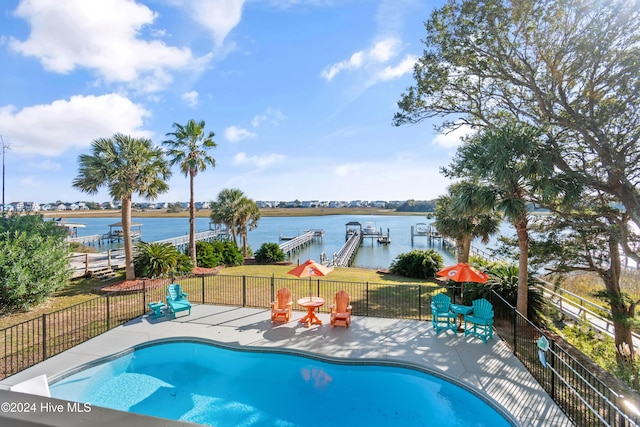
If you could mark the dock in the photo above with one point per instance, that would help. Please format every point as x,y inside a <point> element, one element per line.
<point>293,244</point>
<point>344,257</point>
<point>101,265</point>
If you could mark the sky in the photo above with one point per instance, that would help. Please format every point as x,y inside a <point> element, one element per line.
<point>299,93</point>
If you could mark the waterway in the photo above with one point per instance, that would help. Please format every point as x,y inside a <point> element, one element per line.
<point>370,255</point>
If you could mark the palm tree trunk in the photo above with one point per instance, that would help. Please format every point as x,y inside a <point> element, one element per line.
<point>244,244</point>
<point>463,247</point>
<point>192,221</point>
<point>522,232</point>
<point>126,235</point>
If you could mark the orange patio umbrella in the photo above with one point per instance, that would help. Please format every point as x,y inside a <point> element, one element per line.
<point>310,269</point>
<point>463,272</point>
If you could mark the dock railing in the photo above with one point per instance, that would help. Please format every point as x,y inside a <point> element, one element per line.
<point>585,399</point>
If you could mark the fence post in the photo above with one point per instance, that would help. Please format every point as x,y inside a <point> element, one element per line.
<point>244,291</point>
<point>419,302</point>
<point>514,317</point>
<point>108,314</point>
<point>44,336</point>
<point>203,301</point>
<point>144,296</point>
<point>366,290</point>
<point>273,287</point>
<point>552,363</point>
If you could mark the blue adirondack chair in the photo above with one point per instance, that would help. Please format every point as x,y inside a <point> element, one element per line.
<point>176,299</point>
<point>442,317</point>
<point>479,322</point>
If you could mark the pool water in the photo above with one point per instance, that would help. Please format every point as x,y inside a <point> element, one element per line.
<point>207,384</point>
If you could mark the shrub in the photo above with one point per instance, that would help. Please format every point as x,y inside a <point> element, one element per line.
<point>34,260</point>
<point>213,254</point>
<point>157,259</point>
<point>269,253</point>
<point>418,264</point>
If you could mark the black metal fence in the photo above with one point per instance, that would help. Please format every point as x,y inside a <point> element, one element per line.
<point>584,398</point>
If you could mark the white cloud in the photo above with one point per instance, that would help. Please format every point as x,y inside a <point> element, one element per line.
<point>191,98</point>
<point>236,134</point>
<point>384,50</point>
<point>259,161</point>
<point>272,115</point>
<point>399,70</point>
<point>51,129</point>
<point>352,63</point>
<point>219,17</point>
<point>453,138</point>
<point>381,52</point>
<point>102,36</point>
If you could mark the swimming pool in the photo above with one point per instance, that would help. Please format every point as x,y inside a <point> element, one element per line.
<point>208,384</point>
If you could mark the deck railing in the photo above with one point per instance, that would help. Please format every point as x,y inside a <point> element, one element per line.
<point>580,394</point>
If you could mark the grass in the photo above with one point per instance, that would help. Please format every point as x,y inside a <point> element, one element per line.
<point>75,292</point>
<point>349,275</point>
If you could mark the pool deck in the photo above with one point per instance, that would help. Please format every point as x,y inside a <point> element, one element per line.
<point>491,369</point>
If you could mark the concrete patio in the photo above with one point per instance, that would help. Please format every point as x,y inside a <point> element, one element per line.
<point>490,369</point>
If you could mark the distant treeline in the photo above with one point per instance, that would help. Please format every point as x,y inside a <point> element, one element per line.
<point>417,206</point>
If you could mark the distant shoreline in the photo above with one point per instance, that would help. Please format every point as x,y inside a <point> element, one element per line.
<point>206,213</point>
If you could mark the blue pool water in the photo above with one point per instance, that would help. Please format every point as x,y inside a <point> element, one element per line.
<point>207,384</point>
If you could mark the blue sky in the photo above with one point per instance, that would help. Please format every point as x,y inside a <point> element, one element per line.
<point>300,94</point>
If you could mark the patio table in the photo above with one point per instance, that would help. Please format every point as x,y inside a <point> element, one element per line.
<point>311,303</point>
<point>461,311</point>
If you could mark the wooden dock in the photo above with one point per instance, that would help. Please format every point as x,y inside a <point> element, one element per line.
<point>101,264</point>
<point>344,257</point>
<point>298,242</point>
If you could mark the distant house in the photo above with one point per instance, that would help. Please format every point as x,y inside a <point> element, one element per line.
<point>61,207</point>
<point>31,207</point>
<point>202,205</point>
<point>379,204</point>
<point>46,207</point>
<point>17,206</point>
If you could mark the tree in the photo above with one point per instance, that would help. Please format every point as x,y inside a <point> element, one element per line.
<point>239,213</point>
<point>586,236</point>
<point>125,165</point>
<point>508,163</point>
<point>462,221</point>
<point>569,68</point>
<point>35,260</point>
<point>188,149</point>
<point>224,209</point>
<point>248,215</point>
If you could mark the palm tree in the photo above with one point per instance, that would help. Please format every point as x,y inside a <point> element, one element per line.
<point>225,209</point>
<point>247,220</point>
<point>188,149</point>
<point>464,225</point>
<point>509,163</point>
<point>125,165</point>
<point>238,212</point>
